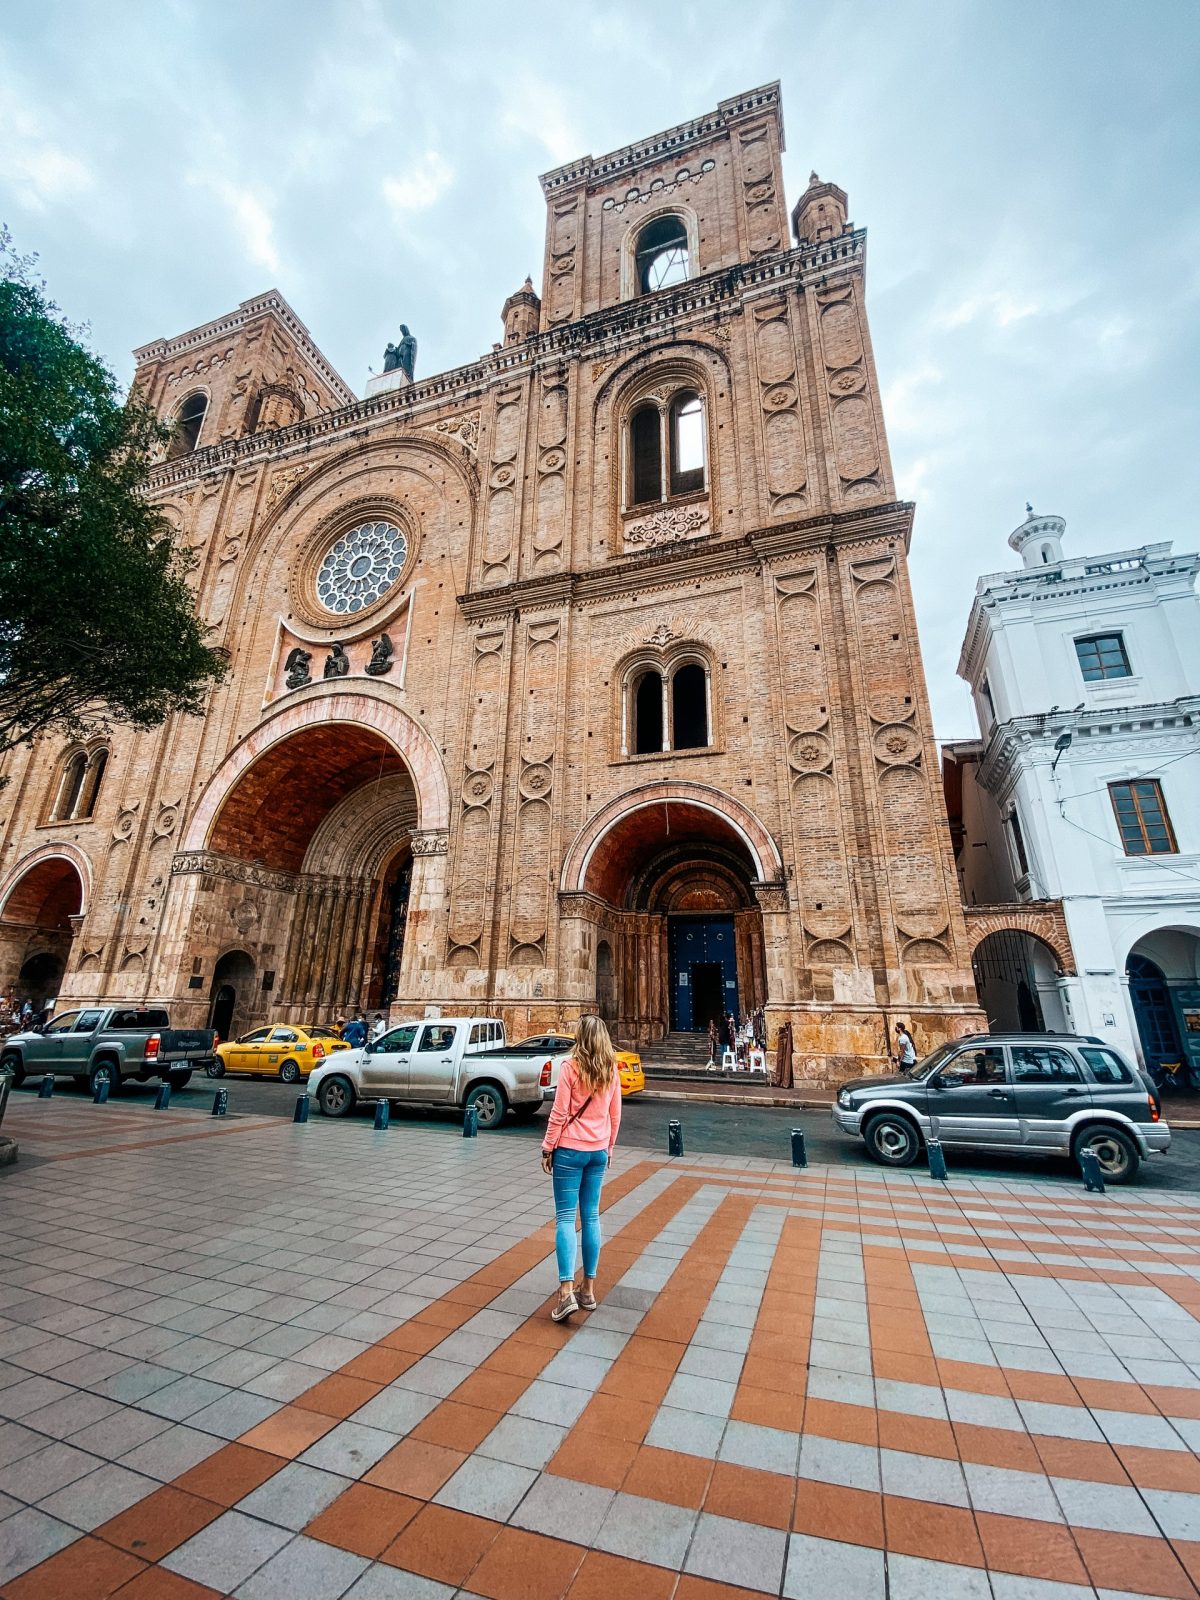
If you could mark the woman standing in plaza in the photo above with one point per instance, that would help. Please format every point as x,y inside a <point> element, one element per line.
<point>579,1141</point>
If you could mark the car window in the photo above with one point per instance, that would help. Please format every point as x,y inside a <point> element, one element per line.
<point>983,1065</point>
<point>1106,1066</point>
<point>87,1021</point>
<point>479,1032</point>
<point>437,1036</point>
<point>124,1019</point>
<point>399,1039</point>
<point>284,1036</point>
<point>257,1037</point>
<point>62,1024</point>
<point>1041,1064</point>
<point>323,1033</point>
<point>151,1019</point>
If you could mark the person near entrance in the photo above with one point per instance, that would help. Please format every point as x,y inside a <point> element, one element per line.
<point>579,1141</point>
<point>906,1050</point>
<point>355,1031</point>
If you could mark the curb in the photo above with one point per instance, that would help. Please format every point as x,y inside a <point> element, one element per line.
<point>694,1095</point>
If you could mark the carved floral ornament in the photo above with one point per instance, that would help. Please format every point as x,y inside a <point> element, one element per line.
<point>430,842</point>
<point>464,428</point>
<point>668,526</point>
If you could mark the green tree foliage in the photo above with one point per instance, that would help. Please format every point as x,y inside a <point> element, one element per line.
<point>97,621</point>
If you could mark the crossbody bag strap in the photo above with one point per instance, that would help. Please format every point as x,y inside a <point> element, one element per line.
<point>570,1120</point>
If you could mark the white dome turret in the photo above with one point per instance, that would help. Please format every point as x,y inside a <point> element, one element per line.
<point>1038,541</point>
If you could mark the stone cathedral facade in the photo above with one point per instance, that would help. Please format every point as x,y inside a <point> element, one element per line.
<point>585,676</point>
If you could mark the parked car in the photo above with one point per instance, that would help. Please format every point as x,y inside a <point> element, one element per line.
<point>447,1061</point>
<point>1029,1094</point>
<point>106,1044</point>
<point>286,1051</point>
<point>629,1063</point>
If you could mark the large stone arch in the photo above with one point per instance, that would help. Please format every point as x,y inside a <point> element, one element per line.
<point>1042,920</point>
<point>324,706</point>
<point>723,808</point>
<point>43,900</point>
<point>44,853</point>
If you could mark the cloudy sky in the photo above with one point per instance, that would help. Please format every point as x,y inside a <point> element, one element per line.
<point>1028,171</point>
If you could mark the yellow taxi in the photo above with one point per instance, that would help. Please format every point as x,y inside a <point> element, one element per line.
<point>287,1052</point>
<point>629,1063</point>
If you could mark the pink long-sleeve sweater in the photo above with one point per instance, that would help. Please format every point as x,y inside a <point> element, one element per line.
<point>596,1128</point>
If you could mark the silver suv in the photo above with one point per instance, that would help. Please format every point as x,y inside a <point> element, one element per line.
<point>1020,1093</point>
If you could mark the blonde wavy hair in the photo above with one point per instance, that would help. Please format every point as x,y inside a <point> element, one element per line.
<point>594,1058</point>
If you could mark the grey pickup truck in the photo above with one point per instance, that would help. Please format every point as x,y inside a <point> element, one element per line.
<point>107,1044</point>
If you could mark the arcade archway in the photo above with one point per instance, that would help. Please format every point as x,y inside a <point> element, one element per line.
<point>1016,976</point>
<point>1163,973</point>
<point>39,908</point>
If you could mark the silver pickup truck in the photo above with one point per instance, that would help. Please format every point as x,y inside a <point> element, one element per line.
<point>109,1043</point>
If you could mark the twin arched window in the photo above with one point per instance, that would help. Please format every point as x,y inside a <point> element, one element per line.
<point>666,454</point>
<point>660,254</point>
<point>78,786</point>
<point>189,420</point>
<point>668,708</point>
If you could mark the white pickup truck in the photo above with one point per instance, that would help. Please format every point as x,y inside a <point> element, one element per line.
<point>441,1061</point>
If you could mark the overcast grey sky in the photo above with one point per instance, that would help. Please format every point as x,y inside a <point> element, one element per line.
<point>1027,171</point>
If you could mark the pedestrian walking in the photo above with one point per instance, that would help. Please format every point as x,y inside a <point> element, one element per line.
<point>378,1027</point>
<point>580,1136</point>
<point>906,1050</point>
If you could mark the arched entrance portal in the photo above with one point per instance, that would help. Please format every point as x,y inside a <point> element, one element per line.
<point>1017,975</point>
<point>233,1001</point>
<point>669,876</point>
<point>1163,970</point>
<point>37,929</point>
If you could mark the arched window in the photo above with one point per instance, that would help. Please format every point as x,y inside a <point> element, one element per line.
<point>189,420</point>
<point>667,449</point>
<point>70,787</point>
<point>91,787</point>
<point>648,713</point>
<point>661,254</point>
<point>645,452</point>
<point>689,707</point>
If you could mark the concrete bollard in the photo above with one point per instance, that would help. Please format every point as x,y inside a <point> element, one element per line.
<point>470,1122</point>
<point>100,1093</point>
<point>301,1112</point>
<point>674,1138</point>
<point>220,1103</point>
<point>1093,1178</point>
<point>799,1154</point>
<point>937,1161</point>
<point>381,1115</point>
<point>163,1098</point>
<point>46,1087</point>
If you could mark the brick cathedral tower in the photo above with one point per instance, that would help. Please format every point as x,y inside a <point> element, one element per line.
<point>583,676</point>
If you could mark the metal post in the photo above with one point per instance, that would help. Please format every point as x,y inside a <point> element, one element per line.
<point>1093,1178</point>
<point>381,1114</point>
<point>674,1138</point>
<point>301,1112</point>
<point>46,1087</point>
<point>163,1098</point>
<point>799,1154</point>
<point>937,1161</point>
<point>220,1103</point>
<point>100,1093</point>
<point>470,1122</point>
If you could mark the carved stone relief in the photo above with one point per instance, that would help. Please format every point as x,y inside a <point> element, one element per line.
<point>563,239</point>
<point>668,526</point>
<point>500,513</point>
<point>758,190</point>
<point>855,439</point>
<point>126,822</point>
<point>784,448</point>
<point>283,480</point>
<point>551,491</point>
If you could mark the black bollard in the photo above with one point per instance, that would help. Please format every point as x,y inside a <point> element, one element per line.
<point>381,1114</point>
<point>163,1098</point>
<point>674,1138</point>
<point>799,1154</point>
<point>220,1103</point>
<point>470,1122</point>
<point>301,1112</point>
<point>100,1093</point>
<point>1093,1178</point>
<point>937,1161</point>
<point>46,1087</point>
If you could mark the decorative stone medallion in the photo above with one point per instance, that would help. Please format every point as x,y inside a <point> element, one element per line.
<point>361,567</point>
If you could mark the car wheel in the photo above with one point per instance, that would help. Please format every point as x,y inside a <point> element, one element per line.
<point>105,1072</point>
<point>336,1097</point>
<point>179,1080</point>
<point>892,1140</point>
<point>1115,1151</point>
<point>289,1072</point>
<point>10,1061</point>
<point>215,1068</point>
<point>490,1104</point>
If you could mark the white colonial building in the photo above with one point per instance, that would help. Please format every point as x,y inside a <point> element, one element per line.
<point>1084,789</point>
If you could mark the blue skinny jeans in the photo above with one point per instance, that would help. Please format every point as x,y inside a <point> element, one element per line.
<point>578,1179</point>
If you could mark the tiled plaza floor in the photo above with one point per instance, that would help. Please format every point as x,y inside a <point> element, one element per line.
<point>245,1358</point>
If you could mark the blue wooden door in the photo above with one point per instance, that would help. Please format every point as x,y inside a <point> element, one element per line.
<point>701,942</point>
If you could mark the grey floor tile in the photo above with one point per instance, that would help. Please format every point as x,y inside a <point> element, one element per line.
<point>486,1488</point>
<point>134,1383</point>
<point>30,1537</point>
<point>854,1466</point>
<point>115,1436</point>
<point>180,1399</point>
<point>555,1503</point>
<point>921,1477</point>
<point>397,1410</point>
<point>39,1474</point>
<point>522,1441</point>
<point>350,1448</point>
<point>748,1444</point>
<point>712,1397</point>
<point>646,1530</point>
<point>688,1432</point>
<point>17,1441</point>
<point>551,1402</point>
<point>102,1494</point>
<point>1007,1492</point>
<point>171,1453</point>
<point>737,1553</point>
<point>382,1582</point>
<point>294,1496</point>
<point>576,1369</point>
<point>236,1413</point>
<point>910,1578</point>
<point>305,1567</point>
<point>832,1570</point>
<point>1177,1513</point>
<point>284,1380</point>
<point>62,1418</point>
<point>1116,1507</point>
<point>228,1551</point>
<point>31,1394</point>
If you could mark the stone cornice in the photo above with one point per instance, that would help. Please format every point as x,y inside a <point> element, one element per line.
<point>673,314</point>
<point>211,864</point>
<point>685,562</point>
<point>672,142</point>
<point>1102,724</point>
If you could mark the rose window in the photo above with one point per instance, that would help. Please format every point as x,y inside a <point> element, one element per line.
<point>361,567</point>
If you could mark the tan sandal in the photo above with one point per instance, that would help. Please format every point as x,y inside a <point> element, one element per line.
<point>564,1309</point>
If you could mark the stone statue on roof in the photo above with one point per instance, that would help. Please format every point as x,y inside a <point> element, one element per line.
<point>401,357</point>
